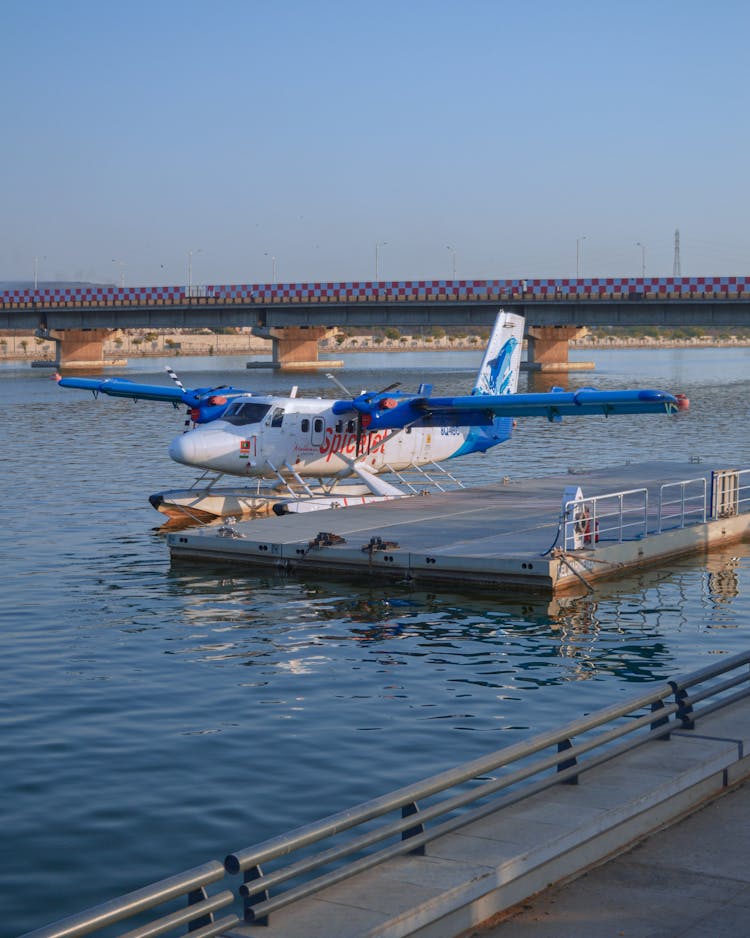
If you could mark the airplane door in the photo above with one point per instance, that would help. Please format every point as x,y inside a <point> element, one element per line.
<point>318,431</point>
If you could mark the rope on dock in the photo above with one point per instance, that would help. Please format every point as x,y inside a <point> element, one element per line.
<point>562,557</point>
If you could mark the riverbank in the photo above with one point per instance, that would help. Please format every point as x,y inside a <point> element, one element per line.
<point>26,347</point>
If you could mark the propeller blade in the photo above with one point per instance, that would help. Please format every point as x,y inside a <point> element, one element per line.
<point>173,375</point>
<point>343,388</point>
<point>358,444</point>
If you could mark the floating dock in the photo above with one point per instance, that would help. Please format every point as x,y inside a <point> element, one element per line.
<point>559,533</point>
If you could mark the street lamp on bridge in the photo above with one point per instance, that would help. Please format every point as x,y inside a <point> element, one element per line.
<point>453,255</point>
<point>122,270</point>
<point>273,265</point>
<point>378,246</point>
<point>190,269</point>
<point>643,257</point>
<point>36,271</point>
<point>578,256</point>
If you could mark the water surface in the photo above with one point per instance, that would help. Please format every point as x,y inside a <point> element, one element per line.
<point>157,716</point>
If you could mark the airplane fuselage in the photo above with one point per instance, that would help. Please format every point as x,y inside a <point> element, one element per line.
<point>260,436</point>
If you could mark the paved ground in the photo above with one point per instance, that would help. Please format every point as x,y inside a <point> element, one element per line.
<point>691,880</point>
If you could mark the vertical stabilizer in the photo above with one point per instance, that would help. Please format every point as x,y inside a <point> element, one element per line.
<point>498,373</point>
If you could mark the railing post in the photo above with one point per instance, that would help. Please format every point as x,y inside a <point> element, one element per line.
<point>407,811</point>
<point>682,505</point>
<point>194,897</point>
<point>562,746</point>
<point>252,898</point>
<point>684,707</point>
<point>661,721</point>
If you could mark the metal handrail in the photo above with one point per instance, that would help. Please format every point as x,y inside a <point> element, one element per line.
<point>191,884</point>
<point>670,707</point>
<point>682,500</point>
<point>597,516</point>
<point>577,748</point>
<point>743,491</point>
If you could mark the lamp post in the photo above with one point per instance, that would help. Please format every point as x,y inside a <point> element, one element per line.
<point>122,270</point>
<point>578,256</point>
<point>190,269</point>
<point>273,265</point>
<point>378,246</point>
<point>453,256</point>
<point>643,257</point>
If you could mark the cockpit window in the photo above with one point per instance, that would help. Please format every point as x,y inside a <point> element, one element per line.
<point>278,417</point>
<point>241,413</point>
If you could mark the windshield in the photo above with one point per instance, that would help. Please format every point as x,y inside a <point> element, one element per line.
<point>241,413</point>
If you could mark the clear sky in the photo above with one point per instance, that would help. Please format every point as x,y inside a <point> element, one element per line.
<point>512,139</point>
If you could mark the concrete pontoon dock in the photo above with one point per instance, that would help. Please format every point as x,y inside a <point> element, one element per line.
<point>559,533</point>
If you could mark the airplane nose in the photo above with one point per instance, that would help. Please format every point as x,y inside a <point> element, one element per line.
<point>183,449</point>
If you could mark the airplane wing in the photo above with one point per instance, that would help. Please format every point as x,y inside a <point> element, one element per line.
<point>389,412</point>
<point>121,387</point>
<point>206,404</point>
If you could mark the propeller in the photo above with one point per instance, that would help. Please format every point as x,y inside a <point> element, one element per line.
<point>362,404</point>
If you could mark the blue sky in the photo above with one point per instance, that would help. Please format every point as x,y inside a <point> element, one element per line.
<point>495,135</point>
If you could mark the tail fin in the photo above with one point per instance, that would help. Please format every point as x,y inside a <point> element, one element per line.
<point>498,373</point>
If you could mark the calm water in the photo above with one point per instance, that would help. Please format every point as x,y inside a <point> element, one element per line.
<point>154,717</point>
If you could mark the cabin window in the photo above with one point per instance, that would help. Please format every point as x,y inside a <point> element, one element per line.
<point>339,426</point>
<point>277,417</point>
<point>350,426</point>
<point>318,425</point>
<point>241,413</point>
<point>305,425</point>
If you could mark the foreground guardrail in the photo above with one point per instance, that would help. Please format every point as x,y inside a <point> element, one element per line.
<point>317,855</point>
<point>471,791</point>
<point>197,912</point>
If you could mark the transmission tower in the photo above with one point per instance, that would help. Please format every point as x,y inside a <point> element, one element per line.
<point>676,271</point>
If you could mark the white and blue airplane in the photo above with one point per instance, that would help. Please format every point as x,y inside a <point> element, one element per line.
<point>329,453</point>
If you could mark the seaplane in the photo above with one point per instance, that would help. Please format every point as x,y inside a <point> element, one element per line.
<point>306,454</point>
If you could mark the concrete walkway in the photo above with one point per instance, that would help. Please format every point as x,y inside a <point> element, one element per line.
<point>691,880</point>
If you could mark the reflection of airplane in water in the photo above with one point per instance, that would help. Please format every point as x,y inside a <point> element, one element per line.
<point>330,453</point>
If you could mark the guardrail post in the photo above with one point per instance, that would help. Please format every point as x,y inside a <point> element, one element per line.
<point>567,763</point>
<point>407,811</point>
<point>252,898</point>
<point>684,707</point>
<point>194,897</point>
<point>661,721</point>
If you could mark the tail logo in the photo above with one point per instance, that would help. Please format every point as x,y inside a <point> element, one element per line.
<point>496,379</point>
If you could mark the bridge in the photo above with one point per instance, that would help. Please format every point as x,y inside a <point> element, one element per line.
<point>295,316</point>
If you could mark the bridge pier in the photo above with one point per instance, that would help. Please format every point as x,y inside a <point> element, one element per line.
<point>548,348</point>
<point>295,348</point>
<point>79,348</point>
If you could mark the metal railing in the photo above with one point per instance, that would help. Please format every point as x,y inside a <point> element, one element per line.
<point>615,516</point>
<point>620,516</point>
<point>682,503</point>
<point>197,913</point>
<point>424,811</point>
<point>471,791</point>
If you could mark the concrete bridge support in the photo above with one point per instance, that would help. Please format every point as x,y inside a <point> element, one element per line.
<point>79,348</point>
<point>548,348</point>
<point>295,348</point>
